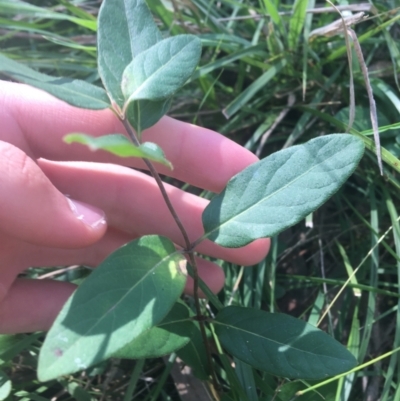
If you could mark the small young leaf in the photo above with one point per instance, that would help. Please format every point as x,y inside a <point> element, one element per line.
<point>280,190</point>
<point>126,28</point>
<point>280,344</point>
<point>121,146</point>
<point>130,292</point>
<point>157,73</point>
<point>171,334</point>
<point>143,114</point>
<point>73,91</point>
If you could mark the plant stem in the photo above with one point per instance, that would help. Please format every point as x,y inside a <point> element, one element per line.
<point>160,184</point>
<point>189,248</point>
<point>188,245</point>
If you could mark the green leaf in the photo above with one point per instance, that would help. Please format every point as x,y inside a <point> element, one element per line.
<point>73,91</point>
<point>130,292</point>
<point>157,73</point>
<point>171,334</point>
<point>281,344</point>
<point>5,386</point>
<point>280,190</point>
<point>143,114</point>
<point>121,146</point>
<point>126,28</point>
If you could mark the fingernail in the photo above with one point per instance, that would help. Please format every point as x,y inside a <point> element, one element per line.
<point>90,215</point>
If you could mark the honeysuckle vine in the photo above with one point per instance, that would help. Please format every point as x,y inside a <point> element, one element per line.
<point>129,306</point>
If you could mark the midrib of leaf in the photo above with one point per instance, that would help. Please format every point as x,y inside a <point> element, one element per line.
<point>127,293</point>
<point>266,198</point>
<point>269,339</point>
<point>156,72</point>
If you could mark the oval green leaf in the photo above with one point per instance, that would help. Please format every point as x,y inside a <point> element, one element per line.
<point>157,73</point>
<point>73,91</point>
<point>130,292</point>
<point>121,146</point>
<point>172,333</point>
<point>280,190</point>
<point>281,344</point>
<point>126,28</point>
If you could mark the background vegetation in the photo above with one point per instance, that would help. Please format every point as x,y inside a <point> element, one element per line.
<point>265,85</point>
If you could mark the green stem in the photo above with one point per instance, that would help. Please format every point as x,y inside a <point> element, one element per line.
<point>188,245</point>
<point>160,184</point>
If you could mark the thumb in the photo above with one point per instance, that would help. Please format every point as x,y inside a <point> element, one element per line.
<point>33,210</point>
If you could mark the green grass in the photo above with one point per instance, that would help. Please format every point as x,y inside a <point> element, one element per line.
<point>263,84</point>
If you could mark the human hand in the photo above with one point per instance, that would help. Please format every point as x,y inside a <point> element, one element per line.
<point>113,204</point>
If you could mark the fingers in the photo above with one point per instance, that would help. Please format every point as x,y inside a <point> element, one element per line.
<point>133,204</point>
<point>33,210</point>
<point>23,254</point>
<point>210,273</point>
<point>196,153</point>
<point>39,224</point>
<point>32,305</point>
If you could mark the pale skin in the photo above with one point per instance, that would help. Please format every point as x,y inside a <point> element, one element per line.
<point>116,204</point>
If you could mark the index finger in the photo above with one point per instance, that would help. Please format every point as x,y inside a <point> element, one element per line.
<point>200,156</point>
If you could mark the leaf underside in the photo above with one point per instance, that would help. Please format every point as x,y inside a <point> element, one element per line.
<point>280,190</point>
<point>121,146</point>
